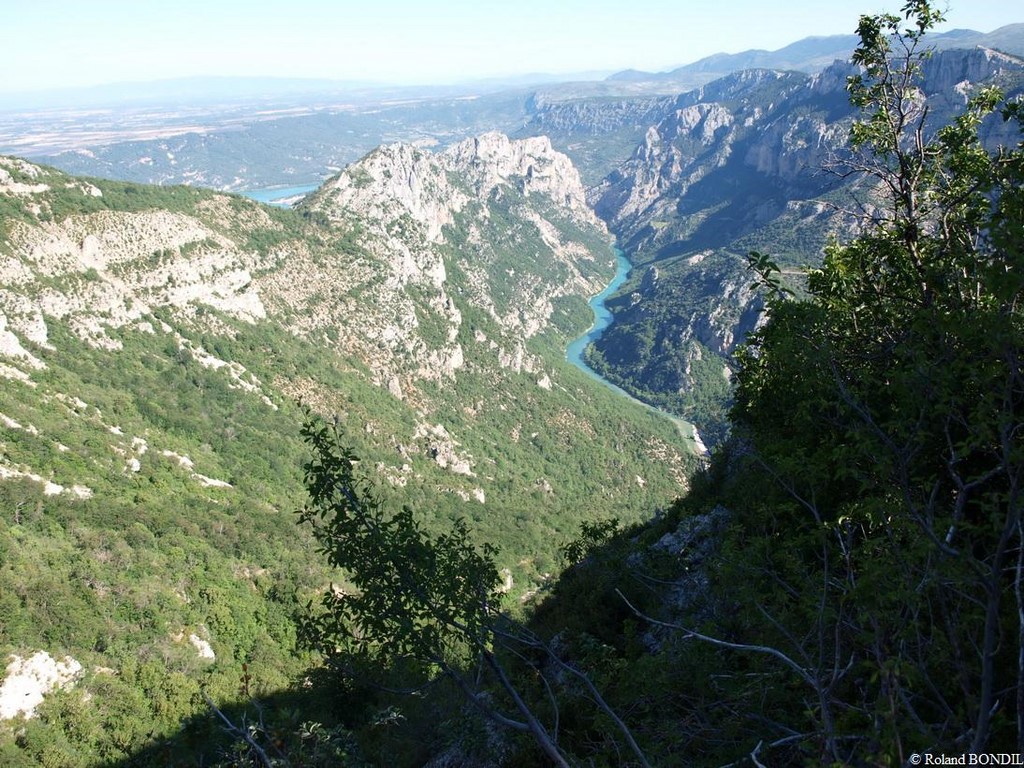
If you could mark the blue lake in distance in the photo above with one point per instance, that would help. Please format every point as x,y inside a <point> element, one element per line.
<point>274,195</point>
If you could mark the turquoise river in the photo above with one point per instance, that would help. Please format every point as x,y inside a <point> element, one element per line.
<point>602,319</point>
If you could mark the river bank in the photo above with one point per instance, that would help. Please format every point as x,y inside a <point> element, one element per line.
<point>574,353</point>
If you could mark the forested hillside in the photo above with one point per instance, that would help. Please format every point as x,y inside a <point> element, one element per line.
<point>156,344</point>
<point>842,585</point>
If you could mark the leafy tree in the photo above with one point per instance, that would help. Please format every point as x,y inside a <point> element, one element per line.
<point>419,604</point>
<point>886,409</point>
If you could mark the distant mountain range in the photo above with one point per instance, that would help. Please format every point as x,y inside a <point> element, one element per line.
<point>812,54</point>
<point>278,91</point>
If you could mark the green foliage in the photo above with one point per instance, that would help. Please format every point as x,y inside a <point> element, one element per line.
<point>425,605</point>
<point>592,535</point>
<point>768,272</point>
<point>416,596</point>
<point>121,580</point>
<point>860,601</point>
<point>885,411</point>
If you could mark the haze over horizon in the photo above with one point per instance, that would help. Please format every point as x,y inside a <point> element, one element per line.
<point>66,44</point>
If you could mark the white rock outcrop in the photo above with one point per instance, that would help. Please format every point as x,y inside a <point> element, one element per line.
<point>106,270</point>
<point>28,680</point>
<point>414,205</point>
<point>203,648</point>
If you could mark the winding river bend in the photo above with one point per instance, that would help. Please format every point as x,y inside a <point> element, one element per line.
<point>602,319</point>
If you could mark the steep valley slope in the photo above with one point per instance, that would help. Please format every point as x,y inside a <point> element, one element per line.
<point>756,161</point>
<point>155,343</point>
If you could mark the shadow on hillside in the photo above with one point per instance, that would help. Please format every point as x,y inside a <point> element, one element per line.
<point>302,725</point>
<point>328,723</point>
<point>732,202</point>
<point>736,201</point>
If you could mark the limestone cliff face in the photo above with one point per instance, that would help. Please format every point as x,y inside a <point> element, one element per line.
<point>400,179</point>
<point>419,272</point>
<point>596,116</point>
<point>530,164</point>
<point>734,124</point>
<point>740,165</point>
<point>385,297</point>
<point>767,128</point>
<point>472,208</point>
<point>103,271</point>
<point>394,181</point>
<point>957,70</point>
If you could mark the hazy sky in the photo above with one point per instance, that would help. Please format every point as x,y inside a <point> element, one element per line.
<point>71,43</point>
